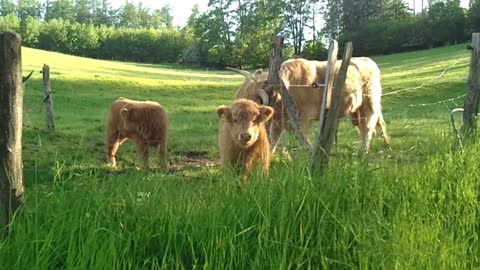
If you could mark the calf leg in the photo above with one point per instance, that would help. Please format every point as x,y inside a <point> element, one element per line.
<point>162,154</point>
<point>142,151</point>
<point>276,128</point>
<point>112,143</point>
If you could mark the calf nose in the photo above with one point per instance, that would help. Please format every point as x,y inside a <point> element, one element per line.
<point>245,136</point>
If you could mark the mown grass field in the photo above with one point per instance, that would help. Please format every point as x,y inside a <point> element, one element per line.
<point>412,206</point>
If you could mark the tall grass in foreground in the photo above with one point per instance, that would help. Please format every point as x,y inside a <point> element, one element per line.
<point>422,216</point>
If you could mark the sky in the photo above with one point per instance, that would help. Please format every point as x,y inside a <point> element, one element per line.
<point>180,9</point>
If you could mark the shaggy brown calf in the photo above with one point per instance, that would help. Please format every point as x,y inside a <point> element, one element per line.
<point>144,122</point>
<point>242,139</point>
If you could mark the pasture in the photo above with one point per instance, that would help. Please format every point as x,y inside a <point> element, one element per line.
<point>413,206</point>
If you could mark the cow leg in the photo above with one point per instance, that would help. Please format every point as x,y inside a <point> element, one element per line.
<point>276,128</point>
<point>367,130</point>
<point>112,143</point>
<point>142,151</point>
<point>162,154</point>
<point>383,128</point>
<point>305,126</point>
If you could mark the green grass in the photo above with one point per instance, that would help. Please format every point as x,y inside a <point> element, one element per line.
<point>413,206</point>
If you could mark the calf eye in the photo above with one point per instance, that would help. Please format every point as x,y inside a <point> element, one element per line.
<point>235,121</point>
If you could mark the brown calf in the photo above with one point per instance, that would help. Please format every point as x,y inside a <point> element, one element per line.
<point>242,140</point>
<point>144,122</point>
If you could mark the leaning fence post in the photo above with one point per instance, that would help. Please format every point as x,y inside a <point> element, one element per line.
<point>288,103</point>
<point>327,89</point>
<point>47,98</point>
<point>321,151</point>
<point>473,87</point>
<point>11,110</point>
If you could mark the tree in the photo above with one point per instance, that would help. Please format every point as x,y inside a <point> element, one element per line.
<point>6,7</point>
<point>128,15</point>
<point>30,30</point>
<point>103,13</point>
<point>162,17</point>
<point>143,14</point>
<point>298,14</point>
<point>9,23</point>
<point>447,22</point>
<point>82,11</point>
<point>28,8</point>
<point>333,15</point>
<point>474,16</point>
<point>59,9</point>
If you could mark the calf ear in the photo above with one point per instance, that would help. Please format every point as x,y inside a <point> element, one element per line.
<point>266,112</point>
<point>224,113</point>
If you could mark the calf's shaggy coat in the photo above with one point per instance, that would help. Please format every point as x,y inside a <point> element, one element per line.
<point>243,141</point>
<point>144,122</point>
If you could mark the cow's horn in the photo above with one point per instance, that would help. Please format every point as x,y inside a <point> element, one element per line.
<point>245,73</point>
<point>264,96</point>
<point>24,79</point>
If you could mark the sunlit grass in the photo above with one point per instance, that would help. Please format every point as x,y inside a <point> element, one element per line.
<point>414,205</point>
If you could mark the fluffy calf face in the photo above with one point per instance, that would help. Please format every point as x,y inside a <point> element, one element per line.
<point>244,119</point>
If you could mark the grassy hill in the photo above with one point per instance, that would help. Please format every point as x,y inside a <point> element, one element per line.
<point>412,206</point>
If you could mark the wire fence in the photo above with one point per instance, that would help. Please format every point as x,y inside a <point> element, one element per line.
<point>406,109</point>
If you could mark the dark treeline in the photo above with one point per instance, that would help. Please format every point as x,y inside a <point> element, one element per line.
<point>235,33</point>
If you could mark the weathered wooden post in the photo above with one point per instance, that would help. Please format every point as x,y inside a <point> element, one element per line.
<point>326,94</point>
<point>11,109</point>
<point>327,89</point>
<point>47,98</point>
<point>324,139</point>
<point>288,104</point>
<point>473,88</point>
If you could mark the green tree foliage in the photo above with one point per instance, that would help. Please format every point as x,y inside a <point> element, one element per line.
<point>447,22</point>
<point>30,30</point>
<point>59,9</point>
<point>6,7</point>
<point>28,8</point>
<point>474,16</point>
<point>298,14</point>
<point>387,26</point>
<point>162,18</point>
<point>235,33</point>
<point>128,16</point>
<point>9,23</point>
<point>103,14</point>
<point>83,11</point>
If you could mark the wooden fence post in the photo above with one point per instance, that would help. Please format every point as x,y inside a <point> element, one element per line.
<point>287,104</point>
<point>473,88</point>
<point>321,151</point>
<point>327,89</point>
<point>47,98</point>
<point>11,110</point>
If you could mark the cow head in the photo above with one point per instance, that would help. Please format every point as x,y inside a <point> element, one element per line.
<point>253,86</point>
<point>245,118</point>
